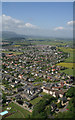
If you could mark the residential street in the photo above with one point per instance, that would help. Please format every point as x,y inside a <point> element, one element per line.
<point>63,109</point>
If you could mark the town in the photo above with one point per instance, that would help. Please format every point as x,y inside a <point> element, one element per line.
<point>30,73</point>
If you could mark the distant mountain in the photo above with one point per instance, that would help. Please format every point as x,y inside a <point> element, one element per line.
<point>8,35</point>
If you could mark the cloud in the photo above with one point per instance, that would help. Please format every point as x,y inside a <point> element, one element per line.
<point>58,28</point>
<point>9,18</point>
<point>70,22</point>
<point>9,23</point>
<point>28,25</point>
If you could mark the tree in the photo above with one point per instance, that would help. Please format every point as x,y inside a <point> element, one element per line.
<point>4,98</point>
<point>20,102</point>
<point>40,107</point>
<point>70,92</point>
<point>64,87</point>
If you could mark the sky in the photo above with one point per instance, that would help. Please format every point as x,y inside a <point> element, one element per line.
<point>54,19</point>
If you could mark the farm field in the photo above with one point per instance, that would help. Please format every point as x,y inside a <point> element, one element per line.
<point>72,54</point>
<point>18,111</point>
<point>48,42</point>
<point>69,71</point>
<point>69,67</point>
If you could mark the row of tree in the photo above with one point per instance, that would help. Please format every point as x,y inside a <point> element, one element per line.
<point>43,108</point>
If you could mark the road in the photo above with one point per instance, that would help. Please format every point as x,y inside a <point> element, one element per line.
<point>14,95</point>
<point>63,109</point>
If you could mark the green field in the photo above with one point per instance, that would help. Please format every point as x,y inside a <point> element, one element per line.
<point>70,68</point>
<point>48,42</point>
<point>19,112</point>
<point>72,54</point>
<point>69,71</point>
<point>35,101</point>
<point>69,62</point>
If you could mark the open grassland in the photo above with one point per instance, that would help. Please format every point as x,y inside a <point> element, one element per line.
<point>72,54</point>
<point>18,112</point>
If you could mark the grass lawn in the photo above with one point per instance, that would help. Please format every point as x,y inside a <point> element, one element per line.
<point>35,101</point>
<point>19,112</point>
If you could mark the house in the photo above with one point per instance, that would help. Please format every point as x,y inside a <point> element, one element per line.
<point>27,104</point>
<point>69,81</point>
<point>19,89</point>
<point>3,87</point>
<point>8,101</point>
<point>46,90</point>
<point>18,97</point>
<point>17,81</point>
<point>25,78</point>
<point>63,101</point>
<point>54,93</point>
<point>30,92</point>
<point>31,79</point>
<point>13,85</point>
<point>20,76</point>
<point>61,93</point>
